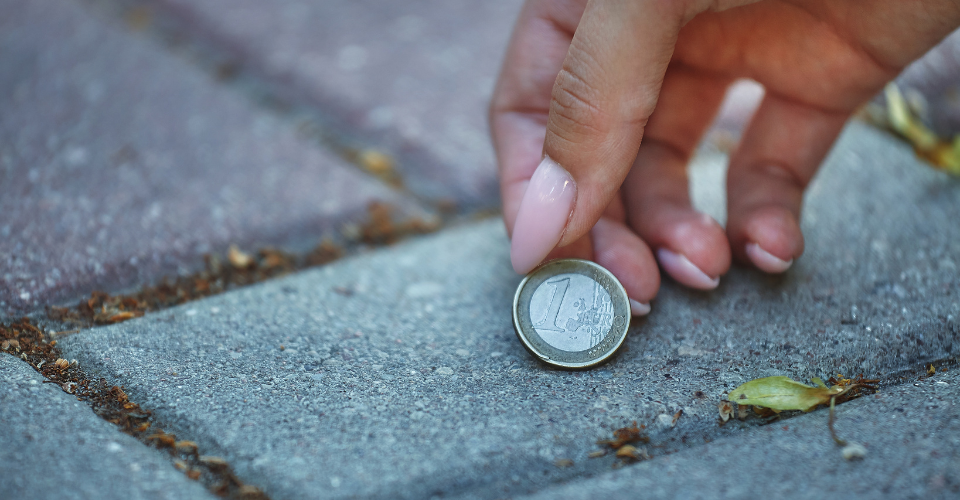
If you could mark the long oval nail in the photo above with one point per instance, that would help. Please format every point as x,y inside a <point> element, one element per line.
<point>542,216</point>
<point>639,308</point>
<point>685,271</point>
<point>766,261</point>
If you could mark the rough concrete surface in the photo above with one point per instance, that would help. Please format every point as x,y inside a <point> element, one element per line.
<point>415,77</point>
<point>412,77</point>
<point>911,434</point>
<point>54,447</point>
<point>120,163</point>
<point>397,374</point>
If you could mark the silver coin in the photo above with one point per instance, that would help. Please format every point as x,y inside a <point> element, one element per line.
<point>571,313</point>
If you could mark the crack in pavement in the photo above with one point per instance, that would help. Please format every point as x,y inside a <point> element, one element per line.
<point>29,343</point>
<point>36,345</point>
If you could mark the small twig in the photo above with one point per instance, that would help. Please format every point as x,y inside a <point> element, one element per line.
<point>833,433</point>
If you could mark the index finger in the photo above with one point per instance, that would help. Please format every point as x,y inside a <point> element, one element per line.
<point>521,100</point>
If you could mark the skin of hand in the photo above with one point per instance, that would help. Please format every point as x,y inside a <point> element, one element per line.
<point>584,81</point>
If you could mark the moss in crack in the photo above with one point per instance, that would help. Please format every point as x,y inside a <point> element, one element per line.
<point>28,342</point>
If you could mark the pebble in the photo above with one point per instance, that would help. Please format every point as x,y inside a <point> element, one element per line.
<point>853,451</point>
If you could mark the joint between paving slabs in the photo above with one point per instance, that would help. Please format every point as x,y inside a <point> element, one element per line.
<point>632,444</point>
<point>37,347</point>
<point>236,269</point>
<point>31,344</point>
<point>34,346</point>
<point>212,57</point>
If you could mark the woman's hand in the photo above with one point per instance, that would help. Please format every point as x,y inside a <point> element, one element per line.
<point>584,81</point>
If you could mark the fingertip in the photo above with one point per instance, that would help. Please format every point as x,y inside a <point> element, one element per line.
<point>624,254</point>
<point>639,308</point>
<point>677,230</point>
<point>681,269</point>
<point>765,261</point>
<point>542,216</point>
<point>770,238</point>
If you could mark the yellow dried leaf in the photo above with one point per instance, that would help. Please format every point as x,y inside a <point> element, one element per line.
<point>782,393</point>
<point>903,121</point>
<point>375,162</point>
<point>237,258</point>
<point>940,152</point>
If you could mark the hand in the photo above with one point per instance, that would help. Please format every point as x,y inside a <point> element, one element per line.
<point>584,81</point>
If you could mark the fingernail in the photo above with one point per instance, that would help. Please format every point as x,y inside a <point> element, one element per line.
<point>766,261</point>
<point>639,308</point>
<point>542,216</point>
<point>684,271</point>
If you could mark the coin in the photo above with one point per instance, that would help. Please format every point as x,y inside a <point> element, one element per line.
<point>571,313</point>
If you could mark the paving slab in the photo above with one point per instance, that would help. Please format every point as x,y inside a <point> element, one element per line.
<point>911,434</point>
<point>120,163</point>
<point>413,77</point>
<point>397,373</point>
<point>936,77</point>
<point>54,446</point>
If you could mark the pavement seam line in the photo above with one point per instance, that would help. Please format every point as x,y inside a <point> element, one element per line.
<point>30,344</point>
<point>212,57</point>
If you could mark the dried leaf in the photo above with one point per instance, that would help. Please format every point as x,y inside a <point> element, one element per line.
<point>186,446</point>
<point>632,453</point>
<point>624,436</point>
<point>941,153</point>
<point>375,162</point>
<point>726,409</point>
<point>238,259</point>
<point>782,393</point>
<point>212,461</point>
<point>123,316</point>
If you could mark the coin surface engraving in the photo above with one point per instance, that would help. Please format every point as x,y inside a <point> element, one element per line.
<point>575,312</point>
<point>571,313</point>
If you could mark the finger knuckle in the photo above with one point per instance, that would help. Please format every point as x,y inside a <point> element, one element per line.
<point>575,106</point>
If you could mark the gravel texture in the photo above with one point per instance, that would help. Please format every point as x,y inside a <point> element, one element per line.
<point>397,373</point>
<point>54,447</point>
<point>121,163</point>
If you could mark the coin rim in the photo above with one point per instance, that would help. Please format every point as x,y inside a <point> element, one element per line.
<point>622,332</point>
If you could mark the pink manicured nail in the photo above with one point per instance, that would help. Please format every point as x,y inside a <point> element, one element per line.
<point>543,215</point>
<point>684,271</point>
<point>766,261</point>
<point>639,308</point>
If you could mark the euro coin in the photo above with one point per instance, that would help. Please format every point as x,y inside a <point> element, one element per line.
<point>571,313</point>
